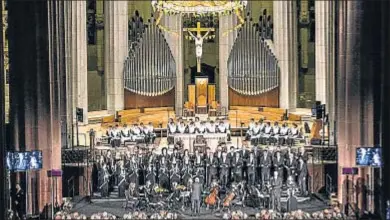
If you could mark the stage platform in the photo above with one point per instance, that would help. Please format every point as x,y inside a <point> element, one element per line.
<point>115,207</point>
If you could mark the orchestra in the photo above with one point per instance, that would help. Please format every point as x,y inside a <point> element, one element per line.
<point>239,173</point>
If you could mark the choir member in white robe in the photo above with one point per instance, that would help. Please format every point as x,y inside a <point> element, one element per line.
<point>137,133</point>
<point>275,133</point>
<point>192,128</point>
<point>125,134</point>
<point>197,122</point>
<point>211,128</point>
<point>284,131</point>
<point>249,132</point>
<point>227,126</point>
<point>293,134</point>
<point>202,128</point>
<point>152,134</point>
<point>108,134</point>
<point>115,137</point>
<point>267,130</point>
<point>256,131</point>
<point>172,128</point>
<point>181,128</point>
<point>221,127</point>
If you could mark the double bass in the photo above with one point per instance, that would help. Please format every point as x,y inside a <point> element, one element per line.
<point>212,198</point>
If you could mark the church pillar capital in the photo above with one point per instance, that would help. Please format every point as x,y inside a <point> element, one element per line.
<point>115,52</point>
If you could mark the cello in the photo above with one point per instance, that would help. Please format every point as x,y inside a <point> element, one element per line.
<point>212,198</point>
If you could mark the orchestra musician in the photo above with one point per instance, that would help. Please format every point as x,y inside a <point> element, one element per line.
<point>199,166</point>
<point>151,133</point>
<point>290,164</point>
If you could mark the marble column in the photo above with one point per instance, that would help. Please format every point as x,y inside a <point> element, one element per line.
<point>225,44</point>
<point>115,52</point>
<point>35,85</point>
<point>358,100</point>
<point>286,48</point>
<point>76,50</point>
<point>3,173</point>
<point>325,59</point>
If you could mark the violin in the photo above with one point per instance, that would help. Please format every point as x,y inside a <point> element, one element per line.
<point>228,199</point>
<point>211,199</point>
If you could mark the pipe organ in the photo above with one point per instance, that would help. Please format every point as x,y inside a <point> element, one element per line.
<point>252,67</point>
<point>150,68</point>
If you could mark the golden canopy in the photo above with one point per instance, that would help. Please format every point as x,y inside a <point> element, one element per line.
<point>198,7</point>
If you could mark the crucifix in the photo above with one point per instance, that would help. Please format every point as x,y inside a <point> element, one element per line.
<point>198,41</point>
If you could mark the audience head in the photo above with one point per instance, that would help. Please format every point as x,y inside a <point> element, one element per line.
<point>164,151</point>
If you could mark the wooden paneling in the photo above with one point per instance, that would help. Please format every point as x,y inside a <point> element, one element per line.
<point>268,99</point>
<point>191,94</point>
<point>133,100</point>
<point>211,94</point>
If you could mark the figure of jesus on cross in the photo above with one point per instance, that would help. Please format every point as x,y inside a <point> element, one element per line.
<point>198,41</point>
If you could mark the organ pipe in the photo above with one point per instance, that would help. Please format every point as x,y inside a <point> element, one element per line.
<point>150,68</point>
<point>252,66</point>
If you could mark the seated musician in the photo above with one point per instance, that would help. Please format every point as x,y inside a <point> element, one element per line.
<point>151,173</point>
<point>293,134</point>
<point>249,132</point>
<point>191,128</point>
<point>181,128</point>
<point>115,136</point>
<point>125,133</point>
<point>284,131</point>
<point>132,196</point>
<point>211,128</point>
<point>267,132</point>
<point>202,128</point>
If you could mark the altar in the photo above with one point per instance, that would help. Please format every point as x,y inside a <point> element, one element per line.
<point>212,140</point>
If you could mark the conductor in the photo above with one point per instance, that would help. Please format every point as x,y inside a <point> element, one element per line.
<point>196,196</point>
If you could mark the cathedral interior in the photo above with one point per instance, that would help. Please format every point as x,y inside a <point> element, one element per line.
<point>98,97</point>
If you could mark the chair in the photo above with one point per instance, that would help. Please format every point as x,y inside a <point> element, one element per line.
<point>213,110</point>
<point>201,107</point>
<point>189,110</point>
